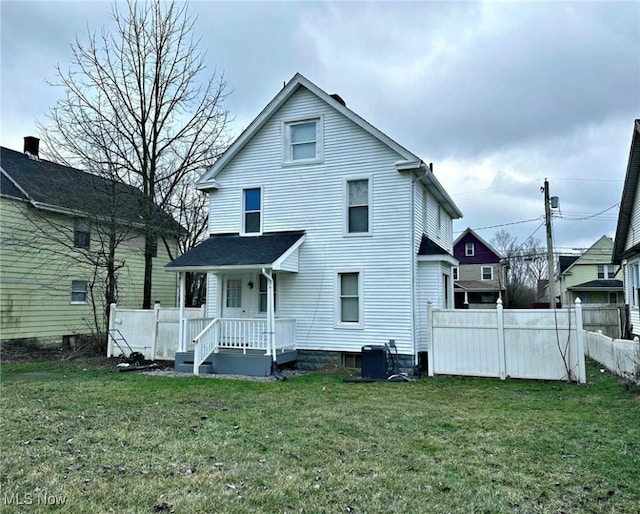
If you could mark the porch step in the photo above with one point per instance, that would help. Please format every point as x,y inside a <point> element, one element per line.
<point>233,362</point>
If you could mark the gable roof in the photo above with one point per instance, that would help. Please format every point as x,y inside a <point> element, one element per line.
<point>590,256</point>
<point>409,160</point>
<point>629,191</point>
<point>50,186</point>
<point>236,251</point>
<point>475,235</point>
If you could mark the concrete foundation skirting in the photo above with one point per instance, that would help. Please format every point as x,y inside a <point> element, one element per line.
<point>318,359</point>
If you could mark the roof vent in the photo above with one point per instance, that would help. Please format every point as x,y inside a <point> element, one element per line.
<point>31,146</point>
<point>338,99</point>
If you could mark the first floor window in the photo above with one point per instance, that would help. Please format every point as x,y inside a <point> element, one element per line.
<point>234,292</point>
<point>455,271</point>
<point>349,286</point>
<point>358,206</point>
<point>635,283</point>
<point>487,273</point>
<point>613,297</point>
<point>81,234</point>
<point>78,291</point>
<point>252,210</point>
<point>263,294</point>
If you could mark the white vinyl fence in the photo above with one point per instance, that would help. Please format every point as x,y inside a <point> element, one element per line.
<point>531,343</point>
<point>154,333</point>
<point>620,356</point>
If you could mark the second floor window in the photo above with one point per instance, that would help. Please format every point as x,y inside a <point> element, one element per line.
<point>605,271</point>
<point>487,273</point>
<point>81,234</point>
<point>469,249</point>
<point>252,211</point>
<point>358,206</point>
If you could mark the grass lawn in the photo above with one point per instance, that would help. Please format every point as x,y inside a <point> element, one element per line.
<point>104,441</point>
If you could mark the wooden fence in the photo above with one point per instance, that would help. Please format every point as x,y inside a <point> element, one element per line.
<point>620,356</point>
<point>606,318</point>
<point>532,343</point>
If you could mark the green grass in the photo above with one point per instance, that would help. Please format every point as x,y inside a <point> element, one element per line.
<point>125,442</point>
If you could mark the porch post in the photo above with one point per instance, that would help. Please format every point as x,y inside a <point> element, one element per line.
<point>271,324</point>
<point>181,341</point>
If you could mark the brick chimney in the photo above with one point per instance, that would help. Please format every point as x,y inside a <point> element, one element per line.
<point>31,145</point>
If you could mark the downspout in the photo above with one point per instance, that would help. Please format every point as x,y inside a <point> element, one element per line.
<point>270,314</point>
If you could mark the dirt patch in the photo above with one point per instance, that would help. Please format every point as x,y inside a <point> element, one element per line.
<point>19,351</point>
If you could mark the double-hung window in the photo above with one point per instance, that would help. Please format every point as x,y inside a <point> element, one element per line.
<point>358,206</point>
<point>81,234</point>
<point>469,249</point>
<point>78,292</point>
<point>303,141</point>
<point>605,271</point>
<point>262,295</point>
<point>252,211</point>
<point>455,271</point>
<point>487,273</point>
<point>349,307</point>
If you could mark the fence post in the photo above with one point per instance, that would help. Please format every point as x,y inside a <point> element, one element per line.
<point>582,374</point>
<point>112,326</point>
<point>430,353</point>
<point>502,363</point>
<point>154,337</point>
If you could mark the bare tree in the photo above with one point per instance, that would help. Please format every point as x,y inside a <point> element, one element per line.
<point>137,107</point>
<point>525,266</point>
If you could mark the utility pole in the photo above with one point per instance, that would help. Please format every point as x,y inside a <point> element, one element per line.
<point>547,217</point>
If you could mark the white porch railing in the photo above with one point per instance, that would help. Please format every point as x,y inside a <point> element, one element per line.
<point>205,343</point>
<point>193,327</point>
<point>237,333</point>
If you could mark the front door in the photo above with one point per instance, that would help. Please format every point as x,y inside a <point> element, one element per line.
<point>235,298</point>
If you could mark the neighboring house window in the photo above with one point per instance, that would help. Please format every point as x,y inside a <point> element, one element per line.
<point>252,210</point>
<point>262,301</point>
<point>605,271</point>
<point>634,285</point>
<point>154,245</point>
<point>81,234</point>
<point>469,249</point>
<point>349,299</point>
<point>79,291</point>
<point>358,211</point>
<point>234,292</point>
<point>455,271</point>
<point>303,141</point>
<point>613,297</point>
<point>487,273</point>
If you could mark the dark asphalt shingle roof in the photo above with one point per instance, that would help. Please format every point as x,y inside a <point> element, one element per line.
<point>429,247</point>
<point>566,260</point>
<point>70,188</point>
<point>598,284</point>
<point>236,250</point>
<point>476,285</point>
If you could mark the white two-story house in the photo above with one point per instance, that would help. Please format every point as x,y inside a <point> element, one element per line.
<point>325,236</point>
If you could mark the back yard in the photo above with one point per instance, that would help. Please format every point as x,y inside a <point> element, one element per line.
<point>90,439</point>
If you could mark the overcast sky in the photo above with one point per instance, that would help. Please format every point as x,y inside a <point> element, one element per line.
<point>497,95</point>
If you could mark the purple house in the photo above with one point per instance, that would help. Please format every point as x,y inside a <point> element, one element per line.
<point>479,280</point>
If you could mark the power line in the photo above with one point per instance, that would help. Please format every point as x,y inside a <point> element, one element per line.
<point>501,225</point>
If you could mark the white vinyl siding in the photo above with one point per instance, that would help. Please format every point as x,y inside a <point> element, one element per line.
<point>311,198</point>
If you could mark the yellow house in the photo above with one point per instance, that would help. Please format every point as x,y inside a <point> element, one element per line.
<point>591,276</point>
<point>55,225</point>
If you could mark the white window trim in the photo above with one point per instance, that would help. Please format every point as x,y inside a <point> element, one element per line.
<point>287,159</point>
<point>482,268</point>
<point>473,250</point>
<point>605,272</point>
<point>337,305</point>
<point>345,206</point>
<point>86,292</point>
<point>455,273</point>
<point>242,211</point>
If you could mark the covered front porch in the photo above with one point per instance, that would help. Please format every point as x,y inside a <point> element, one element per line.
<point>241,333</point>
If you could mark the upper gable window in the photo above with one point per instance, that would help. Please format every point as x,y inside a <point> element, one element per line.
<point>469,249</point>
<point>81,234</point>
<point>252,211</point>
<point>358,206</point>
<point>303,141</point>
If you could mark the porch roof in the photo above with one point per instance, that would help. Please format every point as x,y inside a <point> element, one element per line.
<point>476,286</point>
<point>275,250</point>
<point>598,285</point>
